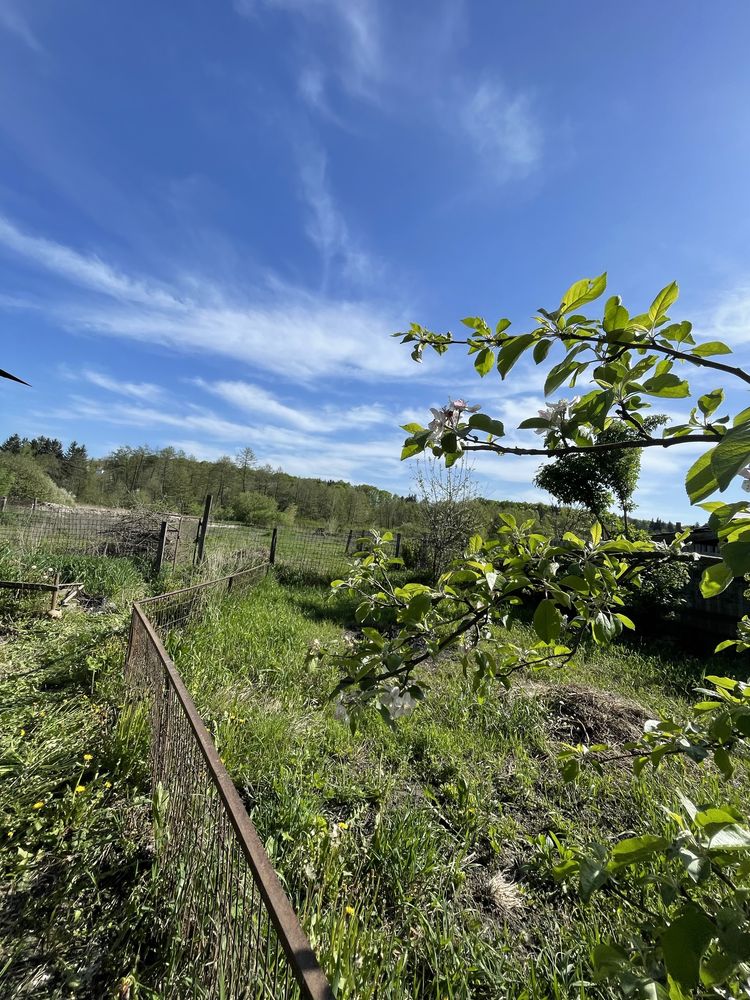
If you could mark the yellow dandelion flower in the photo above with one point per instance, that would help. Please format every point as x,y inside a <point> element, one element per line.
<point>343,826</point>
<point>38,805</point>
<point>107,784</point>
<point>87,756</point>
<point>350,911</point>
<point>80,788</point>
<point>23,732</point>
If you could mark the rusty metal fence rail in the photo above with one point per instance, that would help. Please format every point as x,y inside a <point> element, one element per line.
<point>233,932</point>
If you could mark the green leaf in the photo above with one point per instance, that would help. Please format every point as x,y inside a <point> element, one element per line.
<point>484,361</point>
<point>627,622</point>
<point>616,315</point>
<point>475,322</point>
<point>502,326</point>
<point>730,838</point>
<point>541,350</point>
<point>583,291</point>
<point>557,375</point>
<point>511,351</point>
<point>483,422</point>
<point>731,454</point>
<point>667,386</point>
<point>412,428</point>
<point>417,608</point>
<point>700,481</point>
<point>636,848</point>
<point>663,301</point>
<point>410,448</point>
<point>737,557</point>
<point>593,874</point>
<point>683,945</point>
<point>715,579</point>
<point>547,621</point>
<point>712,347</point>
<point>711,401</point>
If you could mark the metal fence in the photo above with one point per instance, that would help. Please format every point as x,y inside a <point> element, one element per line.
<point>233,932</point>
<point>312,551</point>
<point>154,539</point>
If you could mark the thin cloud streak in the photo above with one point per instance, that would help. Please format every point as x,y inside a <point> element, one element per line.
<point>282,329</point>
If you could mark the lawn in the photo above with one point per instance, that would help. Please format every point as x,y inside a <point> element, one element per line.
<point>420,857</point>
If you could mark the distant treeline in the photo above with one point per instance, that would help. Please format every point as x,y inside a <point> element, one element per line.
<point>167,479</point>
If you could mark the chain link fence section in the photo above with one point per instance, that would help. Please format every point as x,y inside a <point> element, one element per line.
<point>234,933</point>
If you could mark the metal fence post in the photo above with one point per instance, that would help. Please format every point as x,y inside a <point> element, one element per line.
<point>200,541</point>
<point>398,543</point>
<point>159,562</point>
<point>272,553</point>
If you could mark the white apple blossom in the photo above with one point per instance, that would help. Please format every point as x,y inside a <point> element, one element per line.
<point>745,473</point>
<point>557,414</point>
<point>446,419</point>
<point>397,702</point>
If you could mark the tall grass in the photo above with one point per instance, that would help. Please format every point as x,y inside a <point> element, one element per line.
<point>419,857</point>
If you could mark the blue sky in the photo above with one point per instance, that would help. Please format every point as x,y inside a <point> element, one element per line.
<point>213,213</point>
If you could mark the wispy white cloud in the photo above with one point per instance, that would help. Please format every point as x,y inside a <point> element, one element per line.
<point>324,419</point>
<point>729,317</point>
<point>13,21</point>
<point>327,227</point>
<point>503,128</point>
<point>278,328</point>
<point>85,271</point>
<point>146,391</point>
<point>354,28</point>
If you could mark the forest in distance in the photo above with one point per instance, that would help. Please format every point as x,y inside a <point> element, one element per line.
<point>167,479</point>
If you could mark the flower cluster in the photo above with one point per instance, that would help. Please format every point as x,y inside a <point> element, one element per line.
<point>397,702</point>
<point>745,473</point>
<point>446,419</point>
<point>557,414</point>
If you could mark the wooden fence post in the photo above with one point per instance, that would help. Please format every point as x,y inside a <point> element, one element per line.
<point>398,543</point>
<point>349,541</point>
<point>200,541</point>
<point>33,506</point>
<point>272,553</point>
<point>4,505</point>
<point>159,562</point>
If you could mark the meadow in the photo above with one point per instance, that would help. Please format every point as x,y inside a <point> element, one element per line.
<point>418,857</point>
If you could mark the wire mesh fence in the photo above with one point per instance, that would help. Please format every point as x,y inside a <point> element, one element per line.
<point>233,932</point>
<point>312,551</point>
<point>141,535</point>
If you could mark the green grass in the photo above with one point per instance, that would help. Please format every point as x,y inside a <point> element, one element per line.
<point>418,857</point>
<point>77,899</point>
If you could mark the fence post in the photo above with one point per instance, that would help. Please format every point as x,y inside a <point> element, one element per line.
<point>200,540</point>
<point>272,553</point>
<point>398,543</point>
<point>161,546</point>
<point>4,505</point>
<point>348,541</point>
<point>33,506</point>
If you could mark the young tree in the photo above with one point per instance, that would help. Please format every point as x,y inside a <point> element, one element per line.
<point>448,513</point>
<point>245,461</point>
<point>694,938</point>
